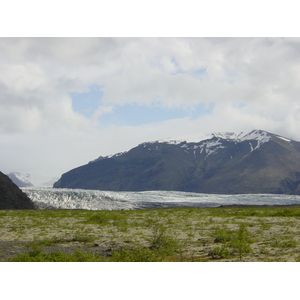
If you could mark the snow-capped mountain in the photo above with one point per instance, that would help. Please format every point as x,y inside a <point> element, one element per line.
<point>19,179</point>
<point>259,135</point>
<point>254,162</point>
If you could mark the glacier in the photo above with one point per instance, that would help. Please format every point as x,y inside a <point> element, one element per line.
<point>52,198</point>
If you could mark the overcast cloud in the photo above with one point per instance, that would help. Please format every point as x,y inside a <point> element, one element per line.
<point>217,84</point>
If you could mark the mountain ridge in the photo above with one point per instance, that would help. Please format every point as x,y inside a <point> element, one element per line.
<point>11,197</point>
<point>254,162</point>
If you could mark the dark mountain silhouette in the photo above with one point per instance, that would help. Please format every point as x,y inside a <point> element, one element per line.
<point>11,197</point>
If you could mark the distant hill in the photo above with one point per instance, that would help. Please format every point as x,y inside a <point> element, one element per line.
<point>11,197</point>
<point>19,179</point>
<point>256,162</point>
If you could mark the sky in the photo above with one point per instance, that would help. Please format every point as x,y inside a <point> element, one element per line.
<point>67,101</point>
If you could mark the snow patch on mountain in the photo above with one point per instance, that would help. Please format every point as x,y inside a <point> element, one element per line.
<point>251,147</point>
<point>213,142</point>
<point>190,138</point>
<point>171,142</point>
<point>108,156</point>
<point>212,147</point>
<point>225,135</point>
<point>207,143</point>
<point>166,141</point>
<point>20,179</point>
<point>283,138</point>
<point>259,135</point>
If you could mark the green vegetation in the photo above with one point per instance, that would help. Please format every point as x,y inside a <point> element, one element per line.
<point>241,241</point>
<point>36,255</point>
<point>237,241</point>
<point>178,234</point>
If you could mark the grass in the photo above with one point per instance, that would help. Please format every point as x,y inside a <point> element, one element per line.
<point>37,255</point>
<point>178,234</point>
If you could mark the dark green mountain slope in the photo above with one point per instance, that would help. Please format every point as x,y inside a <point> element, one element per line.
<point>257,162</point>
<point>11,197</point>
<point>274,168</point>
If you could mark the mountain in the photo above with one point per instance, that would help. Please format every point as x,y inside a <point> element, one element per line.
<point>11,197</point>
<point>19,179</point>
<point>229,163</point>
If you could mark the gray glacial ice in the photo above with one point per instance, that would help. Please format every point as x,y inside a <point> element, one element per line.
<point>52,198</point>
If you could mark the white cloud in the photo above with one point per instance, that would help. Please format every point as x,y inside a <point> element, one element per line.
<point>20,119</point>
<point>100,111</point>
<point>251,83</point>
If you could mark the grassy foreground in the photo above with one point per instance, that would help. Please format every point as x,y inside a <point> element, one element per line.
<point>178,234</point>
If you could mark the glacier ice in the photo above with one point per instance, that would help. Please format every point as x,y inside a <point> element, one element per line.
<point>51,198</point>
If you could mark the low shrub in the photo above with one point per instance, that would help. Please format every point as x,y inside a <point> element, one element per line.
<point>163,242</point>
<point>220,252</point>
<point>222,235</point>
<point>241,241</point>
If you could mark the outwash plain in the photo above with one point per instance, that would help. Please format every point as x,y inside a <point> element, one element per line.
<point>228,234</point>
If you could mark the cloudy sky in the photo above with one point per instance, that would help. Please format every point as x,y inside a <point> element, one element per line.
<point>66,101</point>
